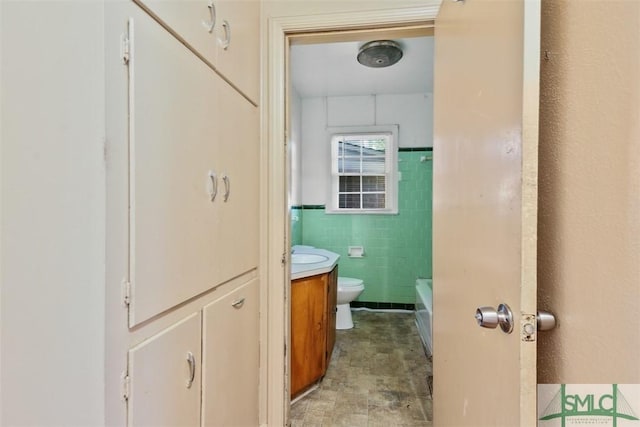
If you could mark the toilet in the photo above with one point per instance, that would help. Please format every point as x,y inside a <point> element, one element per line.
<point>348,290</point>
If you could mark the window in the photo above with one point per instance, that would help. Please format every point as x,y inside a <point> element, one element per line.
<point>363,172</point>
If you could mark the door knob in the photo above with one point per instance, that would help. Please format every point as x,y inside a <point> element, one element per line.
<point>545,320</point>
<point>489,317</point>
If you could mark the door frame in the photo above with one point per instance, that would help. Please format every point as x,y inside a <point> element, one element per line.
<point>275,233</point>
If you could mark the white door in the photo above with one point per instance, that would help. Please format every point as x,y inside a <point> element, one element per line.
<point>230,362</point>
<point>485,190</point>
<point>165,377</point>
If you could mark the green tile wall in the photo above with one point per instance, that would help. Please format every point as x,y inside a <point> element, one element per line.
<point>397,247</point>
<point>296,225</point>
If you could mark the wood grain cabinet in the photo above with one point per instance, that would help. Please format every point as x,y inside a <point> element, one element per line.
<point>313,328</point>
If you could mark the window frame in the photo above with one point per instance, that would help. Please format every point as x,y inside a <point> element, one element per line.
<point>391,169</point>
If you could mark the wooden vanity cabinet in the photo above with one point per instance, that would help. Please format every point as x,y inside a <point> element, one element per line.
<point>332,309</point>
<point>313,328</point>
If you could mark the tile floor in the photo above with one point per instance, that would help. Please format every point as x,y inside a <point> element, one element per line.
<point>377,377</point>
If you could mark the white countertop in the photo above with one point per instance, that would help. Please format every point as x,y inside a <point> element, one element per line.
<point>298,271</point>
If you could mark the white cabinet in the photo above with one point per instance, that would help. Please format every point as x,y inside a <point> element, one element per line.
<point>223,32</point>
<point>202,370</point>
<point>193,171</point>
<point>187,172</point>
<point>230,359</point>
<point>240,60</point>
<point>164,375</point>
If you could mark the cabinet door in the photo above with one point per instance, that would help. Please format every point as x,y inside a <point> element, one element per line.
<point>332,299</point>
<point>172,150</point>
<point>165,378</point>
<point>231,359</point>
<point>235,21</point>
<point>239,59</point>
<point>238,148</point>
<point>191,135</point>
<point>190,19</point>
<point>308,331</point>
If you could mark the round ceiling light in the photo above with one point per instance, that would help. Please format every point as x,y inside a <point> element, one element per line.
<point>380,53</point>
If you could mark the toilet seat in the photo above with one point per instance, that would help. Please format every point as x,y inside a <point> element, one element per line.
<point>348,282</point>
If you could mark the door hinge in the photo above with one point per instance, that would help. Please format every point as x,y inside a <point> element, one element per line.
<point>126,292</point>
<point>529,327</point>
<point>125,48</point>
<point>126,386</point>
<point>125,44</point>
<point>283,260</point>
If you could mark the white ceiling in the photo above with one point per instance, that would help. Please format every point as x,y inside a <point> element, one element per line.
<point>332,69</point>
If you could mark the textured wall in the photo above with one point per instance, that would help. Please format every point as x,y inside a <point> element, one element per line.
<point>589,210</point>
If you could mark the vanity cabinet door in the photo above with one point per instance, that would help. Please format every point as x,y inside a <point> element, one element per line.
<point>164,377</point>
<point>308,331</point>
<point>230,359</point>
<point>332,299</point>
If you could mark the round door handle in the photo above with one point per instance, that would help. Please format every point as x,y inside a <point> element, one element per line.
<point>489,317</point>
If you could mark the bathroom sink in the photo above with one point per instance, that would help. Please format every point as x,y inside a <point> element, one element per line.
<point>307,258</point>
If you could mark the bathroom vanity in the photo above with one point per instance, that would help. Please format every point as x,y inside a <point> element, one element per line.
<point>313,319</point>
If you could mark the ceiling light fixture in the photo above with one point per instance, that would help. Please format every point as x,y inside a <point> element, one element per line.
<point>379,53</point>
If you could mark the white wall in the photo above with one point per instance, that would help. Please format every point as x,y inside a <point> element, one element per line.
<point>295,136</point>
<point>413,113</point>
<point>316,155</point>
<point>52,196</point>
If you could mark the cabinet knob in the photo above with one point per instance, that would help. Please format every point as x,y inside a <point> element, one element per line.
<point>227,35</point>
<point>208,25</point>
<point>191,360</point>
<point>227,187</point>
<point>213,191</point>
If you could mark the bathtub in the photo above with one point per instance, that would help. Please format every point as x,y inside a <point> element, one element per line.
<point>424,310</point>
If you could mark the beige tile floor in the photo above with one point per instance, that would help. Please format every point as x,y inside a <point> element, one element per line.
<point>377,377</point>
